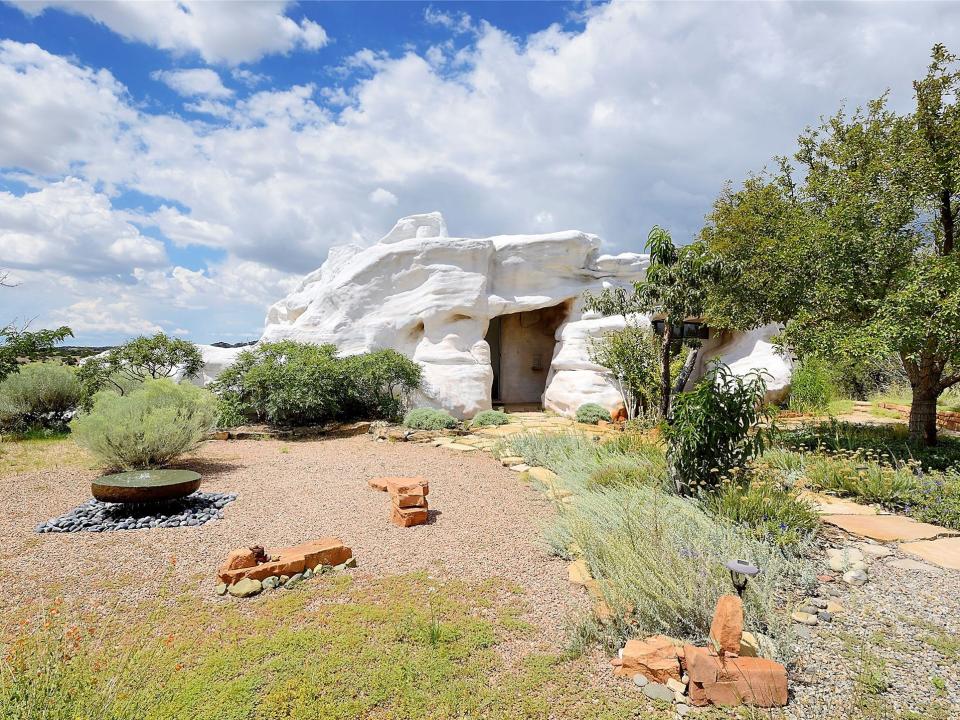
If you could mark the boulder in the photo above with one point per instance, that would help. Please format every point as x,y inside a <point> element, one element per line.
<point>734,681</point>
<point>657,658</point>
<point>237,560</point>
<point>727,625</point>
<point>431,297</point>
<point>245,587</point>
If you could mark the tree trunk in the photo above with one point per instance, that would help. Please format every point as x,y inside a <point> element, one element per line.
<point>923,415</point>
<point>665,369</point>
<point>686,371</point>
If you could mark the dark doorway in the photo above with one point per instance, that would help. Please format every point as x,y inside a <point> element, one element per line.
<point>521,350</point>
<point>493,340</point>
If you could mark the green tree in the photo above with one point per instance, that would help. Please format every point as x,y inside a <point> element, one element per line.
<point>632,355</point>
<point>140,359</point>
<point>857,257</point>
<point>674,289</point>
<point>20,343</point>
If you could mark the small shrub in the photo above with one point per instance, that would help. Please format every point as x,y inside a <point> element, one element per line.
<point>714,428</point>
<point>147,428</point>
<point>40,395</point>
<point>294,384</point>
<point>429,419</point>
<point>591,414</point>
<point>766,509</point>
<point>811,386</point>
<point>619,472</point>
<point>489,417</point>
<point>935,498</point>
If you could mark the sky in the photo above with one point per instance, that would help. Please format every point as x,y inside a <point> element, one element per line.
<point>179,166</point>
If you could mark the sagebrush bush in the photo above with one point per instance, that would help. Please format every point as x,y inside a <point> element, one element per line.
<point>289,383</point>
<point>659,559</point>
<point>489,417</point>
<point>714,428</point>
<point>148,428</point>
<point>40,395</point>
<point>935,498</point>
<point>766,509</point>
<point>429,419</point>
<point>811,386</point>
<point>591,414</point>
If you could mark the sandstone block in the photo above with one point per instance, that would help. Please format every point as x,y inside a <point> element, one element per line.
<point>727,625</point>
<point>734,681</point>
<point>408,486</point>
<point>378,483</point>
<point>656,658</point>
<point>237,560</point>
<point>408,517</point>
<point>409,501</point>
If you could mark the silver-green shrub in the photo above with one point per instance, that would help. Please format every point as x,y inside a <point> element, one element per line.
<point>489,417</point>
<point>659,558</point>
<point>429,419</point>
<point>591,414</point>
<point>147,428</point>
<point>38,395</point>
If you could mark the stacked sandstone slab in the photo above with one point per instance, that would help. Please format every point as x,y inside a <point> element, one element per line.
<point>726,673</point>
<point>408,496</point>
<point>254,563</point>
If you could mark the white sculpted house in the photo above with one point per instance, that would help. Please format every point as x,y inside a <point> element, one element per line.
<point>491,320</point>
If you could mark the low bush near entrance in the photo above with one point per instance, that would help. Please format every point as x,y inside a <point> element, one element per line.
<point>429,419</point>
<point>489,417</point>
<point>591,414</point>
<point>295,384</point>
<point>147,428</point>
<point>40,395</point>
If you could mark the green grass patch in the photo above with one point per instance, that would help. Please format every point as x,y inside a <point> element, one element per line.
<point>401,647</point>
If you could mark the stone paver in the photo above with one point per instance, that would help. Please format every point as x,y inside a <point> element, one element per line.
<point>944,552</point>
<point>915,565</point>
<point>829,505</point>
<point>886,528</point>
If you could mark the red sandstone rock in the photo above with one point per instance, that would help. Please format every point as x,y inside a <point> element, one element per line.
<point>727,624</point>
<point>409,501</point>
<point>657,658</point>
<point>378,484</point>
<point>619,414</point>
<point>408,517</point>
<point>408,486</point>
<point>288,560</point>
<point>734,681</point>
<point>237,560</point>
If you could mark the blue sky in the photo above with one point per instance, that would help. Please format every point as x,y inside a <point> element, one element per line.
<point>179,166</point>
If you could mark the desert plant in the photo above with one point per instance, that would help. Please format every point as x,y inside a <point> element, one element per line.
<point>19,342</point>
<point>620,471</point>
<point>591,414</point>
<point>127,366</point>
<point>429,419</point>
<point>935,498</point>
<point>714,428</point>
<point>40,395</point>
<point>147,428</point>
<point>767,510</point>
<point>811,386</point>
<point>291,383</point>
<point>632,355</point>
<point>659,559</point>
<point>489,417</point>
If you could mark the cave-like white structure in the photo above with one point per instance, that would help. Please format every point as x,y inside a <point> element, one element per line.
<point>496,319</point>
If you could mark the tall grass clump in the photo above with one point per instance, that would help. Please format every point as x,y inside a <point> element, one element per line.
<point>811,386</point>
<point>148,428</point>
<point>659,558</point>
<point>39,395</point>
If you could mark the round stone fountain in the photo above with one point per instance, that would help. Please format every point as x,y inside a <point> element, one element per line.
<point>145,486</point>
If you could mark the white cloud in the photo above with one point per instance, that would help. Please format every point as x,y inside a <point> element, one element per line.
<point>68,226</point>
<point>458,22</point>
<point>195,82</point>
<point>383,197</point>
<point>103,316</point>
<point>228,32</point>
<point>638,118</point>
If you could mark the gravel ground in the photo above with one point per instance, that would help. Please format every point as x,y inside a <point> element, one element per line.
<point>902,627</point>
<point>484,524</point>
